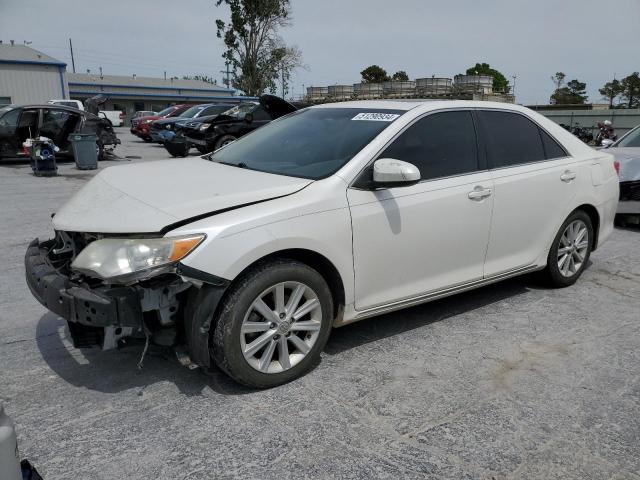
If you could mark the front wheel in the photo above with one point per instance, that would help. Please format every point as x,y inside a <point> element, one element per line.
<point>224,140</point>
<point>570,251</point>
<point>273,324</point>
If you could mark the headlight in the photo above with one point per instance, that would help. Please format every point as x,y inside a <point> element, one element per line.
<point>168,127</point>
<point>127,259</point>
<point>204,126</point>
<point>147,121</point>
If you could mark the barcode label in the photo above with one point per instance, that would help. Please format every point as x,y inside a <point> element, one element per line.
<point>376,117</point>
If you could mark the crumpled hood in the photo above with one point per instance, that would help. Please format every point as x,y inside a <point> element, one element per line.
<point>148,197</point>
<point>629,158</point>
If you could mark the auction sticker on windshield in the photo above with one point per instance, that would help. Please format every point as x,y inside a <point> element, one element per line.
<point>376,117</point>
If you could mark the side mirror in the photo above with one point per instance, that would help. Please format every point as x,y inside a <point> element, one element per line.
<point>607,142</point>
<point>389,172</point>
<point>248,117</point>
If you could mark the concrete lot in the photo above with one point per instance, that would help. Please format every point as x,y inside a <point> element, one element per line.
<point>509,381</point>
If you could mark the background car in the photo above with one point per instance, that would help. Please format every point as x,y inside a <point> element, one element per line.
<point>57,122</point>
<point>238,121</point>
<point>626,151</point>
<point>163,129</point>
<point>141,126</point>
<point>141,113</point>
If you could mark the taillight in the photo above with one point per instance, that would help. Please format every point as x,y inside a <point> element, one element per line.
<point>121,115</point>
<point>616,165</point>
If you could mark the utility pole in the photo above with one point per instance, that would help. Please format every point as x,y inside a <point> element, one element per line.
<point>513,89</point>
<point>283,81</point>
<point>73,62</point>
<point>227,72</point>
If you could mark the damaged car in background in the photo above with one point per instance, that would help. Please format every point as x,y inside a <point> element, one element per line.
<point>627,155</point>
<point>18,124</point>
<point>234,123</point>
<point>248,257</point>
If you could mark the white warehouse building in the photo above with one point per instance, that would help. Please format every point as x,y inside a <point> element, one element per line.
<point>30,76</point>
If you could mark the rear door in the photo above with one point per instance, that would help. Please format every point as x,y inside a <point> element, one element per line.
<point>8,133</point>
<point>534,182</point>
<point>412,240</point>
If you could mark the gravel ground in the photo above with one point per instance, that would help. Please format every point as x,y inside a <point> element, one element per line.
<point>509,381</point>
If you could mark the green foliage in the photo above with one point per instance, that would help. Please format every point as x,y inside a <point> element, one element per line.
<point>611,90</point>
<point>574,93</point>
<point>631,90</point>
<point>257,55</point>
<point>558,79</point>
<point>400,76</point>
<point>374,74</point>
<point>500,83</point>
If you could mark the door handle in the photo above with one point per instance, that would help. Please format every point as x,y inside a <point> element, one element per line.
<point>479,193</point>
<point>567,176</point>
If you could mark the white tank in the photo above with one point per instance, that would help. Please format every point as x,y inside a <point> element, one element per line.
<point>367,91</point>
<point>434,86</point>
<point>9,459</point>
<point>399,89</point>
<point>340,92</point>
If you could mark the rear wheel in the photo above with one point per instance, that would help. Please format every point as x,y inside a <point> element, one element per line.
<point>570,251</point>
<point>273,324</point>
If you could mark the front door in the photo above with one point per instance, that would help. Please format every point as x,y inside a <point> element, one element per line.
<point>413,240</point>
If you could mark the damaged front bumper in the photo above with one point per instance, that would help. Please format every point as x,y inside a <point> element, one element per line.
<point>175,310</point>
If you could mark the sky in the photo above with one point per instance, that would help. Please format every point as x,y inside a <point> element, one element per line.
<point>589,40</point>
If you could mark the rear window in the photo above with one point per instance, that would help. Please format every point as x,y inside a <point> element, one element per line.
<point>511,139</point>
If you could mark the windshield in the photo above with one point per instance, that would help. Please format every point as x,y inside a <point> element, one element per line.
<point>166,111</point>
<point>193,111</point>
<point>239,111</point>
<point>631,139</point>
<point>312,143</point>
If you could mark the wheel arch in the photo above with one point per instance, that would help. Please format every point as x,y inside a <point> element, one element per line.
<point>318,262</point>
<point>595,220</point>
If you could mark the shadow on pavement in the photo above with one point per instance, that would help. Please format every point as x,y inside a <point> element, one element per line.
<point>115,371</point>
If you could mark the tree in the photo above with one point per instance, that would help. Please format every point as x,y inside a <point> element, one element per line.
<point>500,82</point>
<point>400,76</point>
<point>611,90</point>
<point>558,80</point>
<point>374,74</point>
<point>631,90</point>
<point>574,93</point>
<point>255,52</point>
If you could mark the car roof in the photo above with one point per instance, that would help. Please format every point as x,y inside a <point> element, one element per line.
<point>52,105</point>
<point>410,104</point>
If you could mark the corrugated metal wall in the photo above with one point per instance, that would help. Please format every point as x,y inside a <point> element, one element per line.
<point>26,83</point>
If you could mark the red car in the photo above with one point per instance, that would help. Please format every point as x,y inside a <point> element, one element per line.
<point>140,126</point>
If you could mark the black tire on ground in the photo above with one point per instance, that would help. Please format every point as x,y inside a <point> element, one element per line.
<point>177,149</point>
<point>226,348</point>
<point>224,140</point>
<point>146,139</point>
<point>551,275</point>
<point>203,150</point>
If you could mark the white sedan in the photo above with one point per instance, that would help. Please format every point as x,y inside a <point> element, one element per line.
<point>249,256</point>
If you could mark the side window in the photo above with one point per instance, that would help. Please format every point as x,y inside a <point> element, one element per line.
<point>551,148</point>
<point>259,114</point>
<point>10,119</point>
<point>511,139</point>
<point>440,145</point>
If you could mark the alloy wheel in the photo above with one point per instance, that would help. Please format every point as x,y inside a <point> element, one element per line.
<point>280,327</point>
<point>573,248</point>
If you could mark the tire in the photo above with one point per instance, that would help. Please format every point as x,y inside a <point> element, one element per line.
<point>146,139</point>
<point>203,150</point>
<point>575,261</point>
<point>231,342</point>
<point>177,149</point>
<point>224,140</point>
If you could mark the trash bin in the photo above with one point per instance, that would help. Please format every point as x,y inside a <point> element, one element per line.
<point>43,158</point>
<point>84,150</point>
